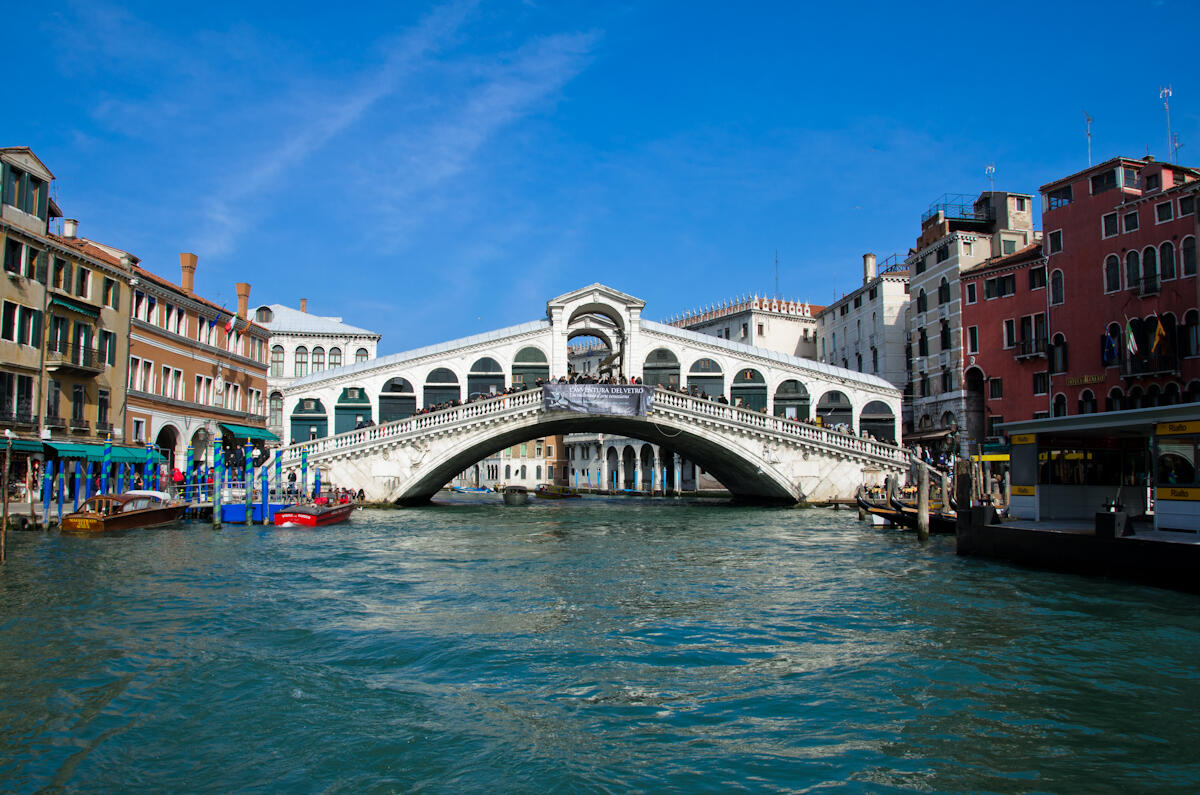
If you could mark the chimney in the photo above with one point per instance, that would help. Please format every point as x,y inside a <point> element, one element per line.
<point>187,265</point>
<point>303,304</point>
<point>70,228</point>
<point>868,267</point>
<point>243,292</point>
<point>127,261</point>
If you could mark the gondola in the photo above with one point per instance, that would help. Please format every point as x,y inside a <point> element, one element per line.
<point>891,515</point>
<point>940,521</point>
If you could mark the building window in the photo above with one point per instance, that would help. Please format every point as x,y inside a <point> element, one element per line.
<point>318,359</point>
<point>973,339</point>
<point>301,368</point>
<point>942,254</point>
<point>1112,274</point>
<point>139,431</point>
<point>1163,213</point>
<point>360,355</point>
<point>1008,246</point>
<point>1108,225</point>
<point>277,361</point>
<point>1041,383</point>
<point>1104,181</point>
<point>971,293</point>
<point>945,340</point>
<point>1133,270</point>
<point>1037,277</point>
<point>874,360</point>
<point>335,357</point>
<point>922,344</point>
<point>1010,333</point>
<point>83,282</point>
<point>922,301</point>
<point>857,305</point>
<point>760,329</point>
<point>1131,221</point>
<point>944,291</point>
<point>920,265</point>
<point>1188,255</point>
<point>1059,198</point>
<point>1020,204</point>
<point>1187,205</point>
<point>275,406</point>
<point>53,398</point>
<point>947,381</point>
<point>1166,260</point>
<point>995,389</point>
<point>1057,291</point>
<point>1058,354</point>
<point>1055,241</point>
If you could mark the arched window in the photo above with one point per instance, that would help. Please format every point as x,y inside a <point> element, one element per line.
<point>275,408</point>
<point>1087,402</point>
<point>523,471</point>
<point>1188,255</point>
<point>1112,274</point>
<point>1060,405</point>
<point>301,368</point>
<point>1189,334</point>
<point>1171,395</point>
<point>1056,287</point>
<point>944,291</point>
<point>1115,400</point>
<point>922,302</point>
<point>1058,354</point>
<point>922,343</point>
<point>318,359</point>
<point>360,355</point>
<point>1150,265</point>
<point>946,342</point>
<point>1166,258</point>
<point>1133,270</point>
<point>335,357</point>
<point>507,471</point>
<point>537,473</point>
<point>1192,393</point>
<point>277,361</point>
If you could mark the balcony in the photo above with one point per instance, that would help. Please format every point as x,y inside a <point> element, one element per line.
<point>79,425</point>
<point>64,357</point>
<point>1148,285</point>
<point>55,422</point>
<point>1031,349</point>
<point>17,417</point>
<point>1149,366</point>
<point>103,428</point>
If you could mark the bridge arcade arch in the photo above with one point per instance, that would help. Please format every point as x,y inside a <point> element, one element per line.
<point>486,376</point>
<point>706,375</point>
<point>529,365</point>
<point>749,389</point>
<point>878,420</point>
<point>397,400</point>
<point>792,400</point>
<point>834,408</point>
<point>352,409</point>
<point>661,368</point>
<point>309,420</point>
<point>441,386</point>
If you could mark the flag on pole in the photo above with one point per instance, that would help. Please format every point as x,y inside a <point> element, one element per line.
<point>1111,349</point>
<point>1160,337</point>
<point>1130,341</point>
<point>229,325</point>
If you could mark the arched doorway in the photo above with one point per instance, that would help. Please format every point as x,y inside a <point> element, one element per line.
<point>200,447</point>
<point>792,400</point>
<point>647,475</point>
<point>166,442</point>
<point>353,410</point>
<point>629,464</point>
<point>749,389</point>
<point>705,376</point>
<point>834,409</point>
<point>441,386</point>
<point>612,471</point>
<point>878,420</point>
<point>397,400</point>
<point>485,377</point>
<point>974,381</point>
<point>529,365</point>
<point>661,368</point>
<point>309,421</point>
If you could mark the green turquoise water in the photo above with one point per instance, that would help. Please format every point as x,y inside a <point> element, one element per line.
<point>593,645</point>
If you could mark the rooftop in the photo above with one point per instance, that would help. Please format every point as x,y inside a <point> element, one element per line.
<point>287,320</point>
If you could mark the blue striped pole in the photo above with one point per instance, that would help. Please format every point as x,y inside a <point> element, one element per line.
<point>78,483</point>
<point>62,477</point>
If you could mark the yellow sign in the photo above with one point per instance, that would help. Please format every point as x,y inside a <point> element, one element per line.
<point>1178,493</point>
<point>1023,438</point>
<point>990,457</point>
<point>1024,491</point>
<point>1080,380</point>
<point>1170,428</point>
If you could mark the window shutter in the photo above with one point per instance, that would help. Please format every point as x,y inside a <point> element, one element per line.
<point>35,328</point>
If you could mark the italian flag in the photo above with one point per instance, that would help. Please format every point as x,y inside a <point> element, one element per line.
<point>1130,340</point>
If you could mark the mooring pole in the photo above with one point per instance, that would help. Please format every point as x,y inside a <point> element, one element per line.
<point>922,502</point>
<point>4,528</point>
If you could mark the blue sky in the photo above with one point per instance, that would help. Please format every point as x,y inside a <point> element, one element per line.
<point>431,171</point>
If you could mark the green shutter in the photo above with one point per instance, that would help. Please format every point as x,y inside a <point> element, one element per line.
<point>41,270</point>
<point>35,329</point>
<point>43,208</point>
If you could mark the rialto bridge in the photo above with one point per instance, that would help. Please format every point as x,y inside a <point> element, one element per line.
<point>763,443</point>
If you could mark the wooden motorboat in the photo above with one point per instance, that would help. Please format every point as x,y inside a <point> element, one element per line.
<point>549,491</point>
<point>313,515</point>
<point>133,509</point>
<point>516,495</point>
<point>470,490</point>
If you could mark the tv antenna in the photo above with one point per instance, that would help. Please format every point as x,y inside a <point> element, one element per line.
<point>991,175</point>
<point>1165,95</point>
<point>1089,135</point>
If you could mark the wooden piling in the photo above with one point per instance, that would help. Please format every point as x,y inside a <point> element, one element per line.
<point>4,527</point>
<point>922,503</point>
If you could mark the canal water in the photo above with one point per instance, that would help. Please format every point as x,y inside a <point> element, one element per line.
<point>592,645</point>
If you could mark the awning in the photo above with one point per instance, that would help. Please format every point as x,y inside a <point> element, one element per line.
<point>248,432</point>
<point>920,435</point>
<point>26,446</point>
<point>95,452</point>
<point>75,306</point>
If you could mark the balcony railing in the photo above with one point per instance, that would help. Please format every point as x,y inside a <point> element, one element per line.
<point>54,421</point>
<point>79,357</point>
<point>17,416</point>
<point>1028,349</point>
<point>1148,285</point>
<point>104,427</point>
<point>81,425</point>
<point>1149,365</point>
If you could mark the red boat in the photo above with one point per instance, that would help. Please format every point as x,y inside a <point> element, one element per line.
<point>313,515</point>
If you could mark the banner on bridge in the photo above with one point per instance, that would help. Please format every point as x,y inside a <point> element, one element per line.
<point>626,400</point>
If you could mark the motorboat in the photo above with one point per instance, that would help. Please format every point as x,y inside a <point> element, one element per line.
<point>470,490</point>
<point>127,511</point>
<point>516,495</point>
<point>313,514</point>
<point>550,491</point>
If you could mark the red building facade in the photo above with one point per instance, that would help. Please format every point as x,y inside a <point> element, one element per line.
<point>1104,317</point>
